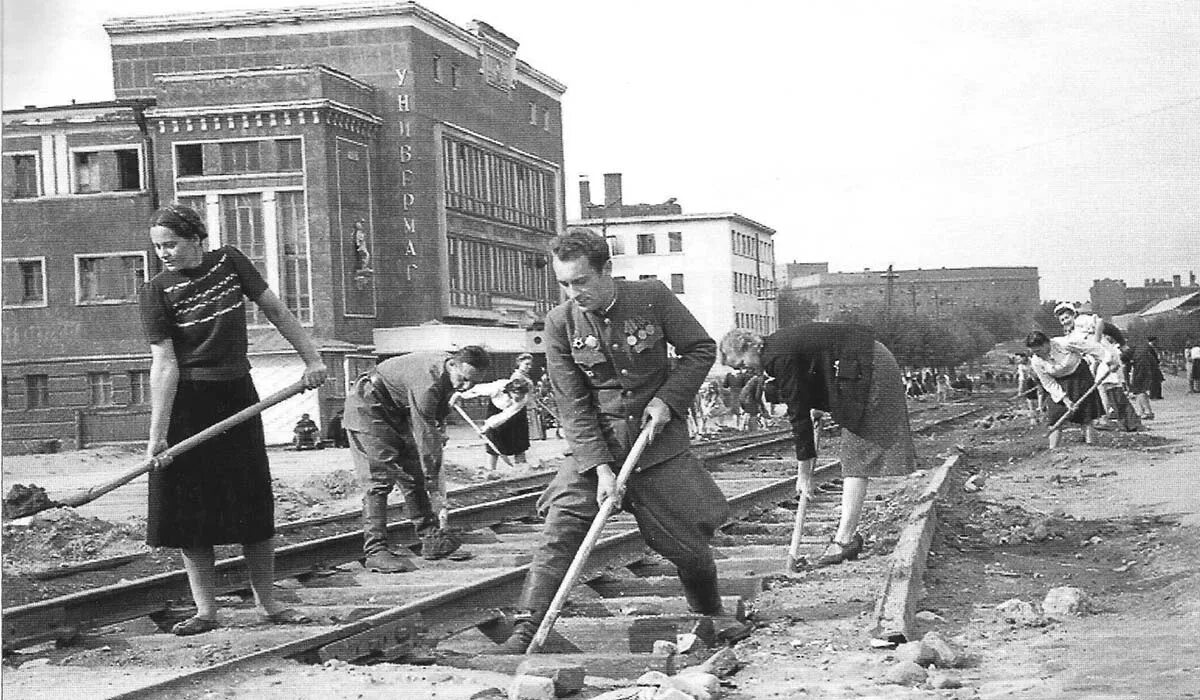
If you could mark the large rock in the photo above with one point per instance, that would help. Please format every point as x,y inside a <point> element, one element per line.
<point>672,693</point>
<point>906,673</point>
<point>1017,612</point>
<point>721,664</point>
<point>915,653</point>
<point>701,686</point>
<point>531,688</point>
<point>940,680</point>
<point>1064,602</point>
<point>657,679</point>
<point>627,694</point>
<point>567,678</point>
<point>944,655</point>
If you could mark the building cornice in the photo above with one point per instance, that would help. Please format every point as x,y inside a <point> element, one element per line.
<point>263,115</point>
<point>125,31</point>
<point>255,71</point>
<point>666,218</point>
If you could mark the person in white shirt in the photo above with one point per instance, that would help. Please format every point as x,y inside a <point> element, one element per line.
<point>1193,356</point>
<point>1083,326</point>
<point>1066,377</point>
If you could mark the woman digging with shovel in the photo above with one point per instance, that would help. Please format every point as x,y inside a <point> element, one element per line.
<point>194,316</point>
<point>1059,365</point>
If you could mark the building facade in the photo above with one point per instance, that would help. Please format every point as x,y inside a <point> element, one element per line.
<point>939,292</point>
<point>721,265</point>
<point>396,177</point>
<point>1111,297</point>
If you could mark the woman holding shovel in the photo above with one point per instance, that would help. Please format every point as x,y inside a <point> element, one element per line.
<point>840,369</point>
<point>1060,367</point>
<point>194,315</point>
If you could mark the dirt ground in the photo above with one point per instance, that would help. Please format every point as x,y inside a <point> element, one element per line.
<point>1118,520</point>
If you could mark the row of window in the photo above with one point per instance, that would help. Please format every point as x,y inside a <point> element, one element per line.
<point>440,72</point>
<point>536,111</point>
<point>647,243</point>
<point>91,172</point>
<point>676,281</point>
<point>752,247</point>
<point>481,268</point>
<point>759,323</point>
<point>108,278</point>
<point>239,157</point>
<point>100,390</point>
<point>484,183</point>
<point>750,284</point>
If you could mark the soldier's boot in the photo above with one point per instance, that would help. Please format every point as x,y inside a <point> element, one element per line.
<point>539,591</point>
<point>703,597</point>
<point>375,539</point>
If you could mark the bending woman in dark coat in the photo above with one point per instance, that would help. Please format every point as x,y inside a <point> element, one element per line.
<point>840,369</point>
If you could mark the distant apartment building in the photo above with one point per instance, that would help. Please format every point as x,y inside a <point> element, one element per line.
<point>1112,297</point>
<point>720,264</point>
<point>396,178</point>
<point>936,292</point>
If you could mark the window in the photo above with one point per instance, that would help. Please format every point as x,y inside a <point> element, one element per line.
<point>87,172</point>
<point>21,176</point>
<point>100,389</point>
<point>455,79</point>
<point>37,391</point>
<point>677,283</point>
<point>139,387</point>
<point>647,277</point>
<point>484,183</point>
<point>240,157</point>
<point>289,156</point>
<point>615,246</point>
<point>189,159</point>
<point>645,243</point>
<point>199,205</point>
<point>242,227</point>
<point>619,277</point>
<point>293,254</point>
<point>546,119</point>
<point>533,114</point>
<point>24,282</point>
<point>129,170</point>
<point>108,279</point>
<point>478,269</point>
<point>7,395</point>
<point>675,241</point>
<point>437,68</point>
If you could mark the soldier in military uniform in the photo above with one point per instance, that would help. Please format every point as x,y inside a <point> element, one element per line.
<point>606,356</point>
<point>394,420</point>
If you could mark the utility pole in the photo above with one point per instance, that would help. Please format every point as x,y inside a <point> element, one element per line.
<point>890,278</point>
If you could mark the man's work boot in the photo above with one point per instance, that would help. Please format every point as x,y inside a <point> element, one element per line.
<point>524,630</point>
<point>440,544</point>
<point>375,538</point>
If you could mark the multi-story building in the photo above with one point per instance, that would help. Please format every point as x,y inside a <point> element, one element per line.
<point>721,265</point>
<point>1112,297</point>
<point>935,292</point>
<point>396,177</point>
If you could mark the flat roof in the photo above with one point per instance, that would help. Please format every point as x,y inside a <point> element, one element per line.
<point>654,218</point>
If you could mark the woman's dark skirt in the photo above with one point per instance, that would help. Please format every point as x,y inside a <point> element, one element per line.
<point>1076,385</point>
<point>219,492</point>
<point>511,438</point>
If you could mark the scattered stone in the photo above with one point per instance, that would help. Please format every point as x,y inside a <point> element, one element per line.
<point>487,694</point>
<point>1064,602</point>
<point>567,678</point>
<point>701,686</point>
<point>975,483</point>
<point>672,693</point>
<point>1015,611</point>
<point>916,653</point>
<point>642,610</point>
<point>686,642</point>
<point>34,663</point>
<point>940,680</point>
<point>531,688</point>
<point>945,655</point>
<point>622,694</point>
<point>721,664</point>
<point>906,673</point>
<point>664,648</point>
<point>929,616</point>
<point>654,678</point>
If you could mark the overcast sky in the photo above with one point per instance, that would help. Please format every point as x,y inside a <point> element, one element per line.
<point>1064,135</point>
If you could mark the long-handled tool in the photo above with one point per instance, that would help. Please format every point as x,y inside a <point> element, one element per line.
<point>793,557</point>
<point>160,460</point>
<point>589,541</point>
<point>479,431</point>
<point>1074,406</point>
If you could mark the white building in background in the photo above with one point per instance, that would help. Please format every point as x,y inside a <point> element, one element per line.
<point>721,265</point>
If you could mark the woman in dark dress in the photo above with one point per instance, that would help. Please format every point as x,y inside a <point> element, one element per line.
<point>194,316</point>
<point>839,369</point>
<point>1065,376</point>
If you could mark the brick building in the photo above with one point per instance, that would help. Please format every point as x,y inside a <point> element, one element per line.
<point>708,260</point>
<point>396,177</point>
<point>928,292</point>
<point>1111,297</point>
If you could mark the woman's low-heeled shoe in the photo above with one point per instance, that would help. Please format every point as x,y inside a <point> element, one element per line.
<point>194,625</point>
<point>841,552</point>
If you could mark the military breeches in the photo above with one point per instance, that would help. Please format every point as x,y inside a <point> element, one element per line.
<point>384,462</point>
<point>676,503</point>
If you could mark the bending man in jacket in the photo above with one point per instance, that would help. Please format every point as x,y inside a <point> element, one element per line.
<point>606,356</point>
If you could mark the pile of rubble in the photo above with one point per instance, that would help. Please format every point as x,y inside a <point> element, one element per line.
<point>61,536</point>
<point>545,679</point>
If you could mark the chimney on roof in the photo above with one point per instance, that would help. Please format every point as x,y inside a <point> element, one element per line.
<point>612,189</point>
<point>1192,279</point>
<point>585,196</point>
<point>1147,284</point>
<point>1176,280</point>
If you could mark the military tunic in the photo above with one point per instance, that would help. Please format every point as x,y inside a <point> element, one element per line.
<point>604,369</point>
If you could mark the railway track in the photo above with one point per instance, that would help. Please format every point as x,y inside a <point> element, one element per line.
<point>630,599</point>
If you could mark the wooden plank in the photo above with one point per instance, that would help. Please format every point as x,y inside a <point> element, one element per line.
<point>393,637</point>
<point>622,666</point>
<point>646,605</point>
<point>896,605</point>
<point>747,588</point>
<point>600,635</point>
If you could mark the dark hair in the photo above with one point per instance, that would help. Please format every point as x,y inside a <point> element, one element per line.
<point>473,355</point>
<point>1036,339</point>
<point>184,221</point>
<point>524,356</point>
<point>581,243</point>
<point>1112,332</point>
<point>518,385</point>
